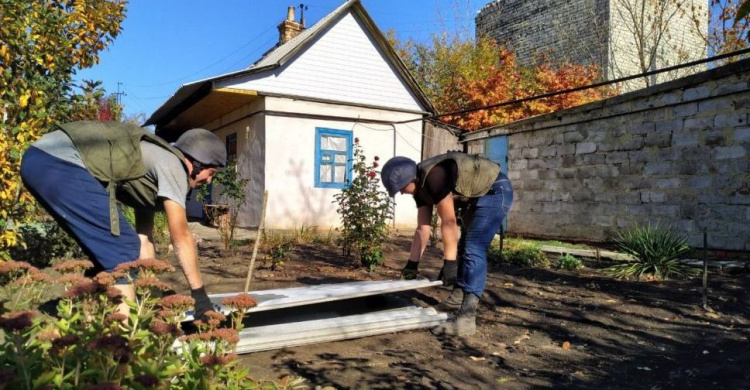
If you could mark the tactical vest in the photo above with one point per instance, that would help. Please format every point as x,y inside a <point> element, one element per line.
<point>111,152</point>
<point>475,174</point>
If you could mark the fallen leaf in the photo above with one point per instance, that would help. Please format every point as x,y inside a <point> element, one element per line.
<point>579,373</point>
<point>705,352</point>
<point>644,368</point>
<point>712,315</point>
<point>525,336</point>
<point>507,284</point>
<point>477,358</point>
<point>566,345</point>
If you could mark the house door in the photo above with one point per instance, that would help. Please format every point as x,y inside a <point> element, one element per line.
<point>496,149</point>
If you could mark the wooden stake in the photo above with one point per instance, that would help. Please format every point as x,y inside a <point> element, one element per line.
<point>261,226</point>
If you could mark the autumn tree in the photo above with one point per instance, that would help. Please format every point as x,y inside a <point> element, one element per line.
<point>461,74</point>
<point>727,27</point>
<point>42,45</point>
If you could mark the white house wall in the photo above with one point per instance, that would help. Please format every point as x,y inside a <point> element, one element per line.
<point>294,201</point>
<point>249,125</point>
<point>342,64</point>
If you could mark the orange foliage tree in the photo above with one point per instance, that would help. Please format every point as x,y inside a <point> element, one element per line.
<point>462,74</point>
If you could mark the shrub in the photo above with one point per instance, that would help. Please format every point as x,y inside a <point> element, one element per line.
<point>232,190</point>
<point>278,253</point>
<point>523,253</point>
<point>656,251</point>
<point>364,209</point>
<point>43,242</point>
<point>569,262</point>
<point>88,344</point>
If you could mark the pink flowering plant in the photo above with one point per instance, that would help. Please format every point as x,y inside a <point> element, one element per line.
<point>84,342</point>
<point>364,208</point>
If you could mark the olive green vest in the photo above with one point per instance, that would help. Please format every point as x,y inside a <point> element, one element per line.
<point>475,174</point>
<point>112,154</point>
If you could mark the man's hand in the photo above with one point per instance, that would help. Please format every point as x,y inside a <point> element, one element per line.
<point>410,272</point>
<point>448,273</point>
<point>202,302</point>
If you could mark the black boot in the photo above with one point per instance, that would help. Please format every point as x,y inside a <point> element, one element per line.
<point>464,323</point>
<point>454,300</point>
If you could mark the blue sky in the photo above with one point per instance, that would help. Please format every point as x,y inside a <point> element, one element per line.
<point>167,43</point>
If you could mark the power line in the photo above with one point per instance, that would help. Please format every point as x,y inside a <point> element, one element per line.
<point>582,88</point>
<point>212,64</point>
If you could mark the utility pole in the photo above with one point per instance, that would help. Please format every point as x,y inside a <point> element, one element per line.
<point>119,94</point>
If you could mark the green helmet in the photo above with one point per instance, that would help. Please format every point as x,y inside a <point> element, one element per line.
<point>204,147</point>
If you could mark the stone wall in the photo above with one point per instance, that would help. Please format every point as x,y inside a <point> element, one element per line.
<point>675,154</point>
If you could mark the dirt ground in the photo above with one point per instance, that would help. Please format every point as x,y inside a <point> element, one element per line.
<point>537,328</point>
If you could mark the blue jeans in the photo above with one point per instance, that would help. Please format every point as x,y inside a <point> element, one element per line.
<point>80,205</point>
<point>480,222</point>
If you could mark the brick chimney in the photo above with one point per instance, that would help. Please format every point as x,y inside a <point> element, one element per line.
<point>289,29</point>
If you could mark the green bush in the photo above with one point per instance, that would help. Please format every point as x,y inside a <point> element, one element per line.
<point>278,253</point>
<point>656,251</point>
<point>364,209</point>
<point>43,242</point>
<point>568,262</point>
<point>516,252</point>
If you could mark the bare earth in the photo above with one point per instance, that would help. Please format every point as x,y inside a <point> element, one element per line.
<point>537,328</point>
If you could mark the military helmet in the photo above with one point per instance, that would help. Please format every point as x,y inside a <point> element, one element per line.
<point>203,146</point>
<point>397,173</point>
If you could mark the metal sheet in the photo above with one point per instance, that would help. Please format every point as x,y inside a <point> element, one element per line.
<point>308,295</point>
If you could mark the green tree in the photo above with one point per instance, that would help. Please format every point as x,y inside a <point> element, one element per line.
<point>42,45</point>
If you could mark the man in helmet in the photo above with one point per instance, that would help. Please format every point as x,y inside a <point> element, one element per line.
<point>78,170</point>
<point>484,195</point>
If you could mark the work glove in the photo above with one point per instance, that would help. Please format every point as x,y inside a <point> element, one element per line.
<point>449,272</point>
<point>409,272</point>
<point>202,302</point>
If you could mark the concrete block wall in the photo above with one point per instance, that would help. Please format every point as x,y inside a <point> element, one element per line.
<point>675,154</point>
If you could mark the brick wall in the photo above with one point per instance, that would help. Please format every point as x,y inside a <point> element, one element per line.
<point>598,32</point>
<point>675,153</point>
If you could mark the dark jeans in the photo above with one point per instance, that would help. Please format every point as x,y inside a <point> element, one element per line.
<point>480,222</point>
<point>80,205</point>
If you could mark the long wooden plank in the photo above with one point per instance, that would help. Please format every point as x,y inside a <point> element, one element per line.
<point>308,295</point>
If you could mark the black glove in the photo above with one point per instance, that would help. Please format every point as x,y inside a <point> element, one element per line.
<point>409,272</point>
<point>202,302</point>
<point>449,272</point>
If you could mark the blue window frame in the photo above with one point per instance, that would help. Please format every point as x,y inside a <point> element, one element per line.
<point>333,157</point>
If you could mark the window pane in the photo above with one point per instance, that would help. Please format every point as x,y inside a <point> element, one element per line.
<point>328,142</point>
<point>325,158</point>
<point>340,173</point>
<point>340,159</point>
<point>325,173</point>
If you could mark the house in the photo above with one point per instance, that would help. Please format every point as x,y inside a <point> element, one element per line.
<point>290,119</point>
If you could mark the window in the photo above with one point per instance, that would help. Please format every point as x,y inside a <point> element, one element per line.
<point>232,148</point>
<point>333,155</point>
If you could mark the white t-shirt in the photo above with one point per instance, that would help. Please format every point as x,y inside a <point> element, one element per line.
<point>162,167</point>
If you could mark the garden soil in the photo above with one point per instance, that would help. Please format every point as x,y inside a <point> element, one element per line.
<point>537,328</point>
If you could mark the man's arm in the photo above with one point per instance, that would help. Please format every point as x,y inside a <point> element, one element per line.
<point>144,226</point>
<point>448,227</point>
<point>183,243</point>
<point>422,234</point>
